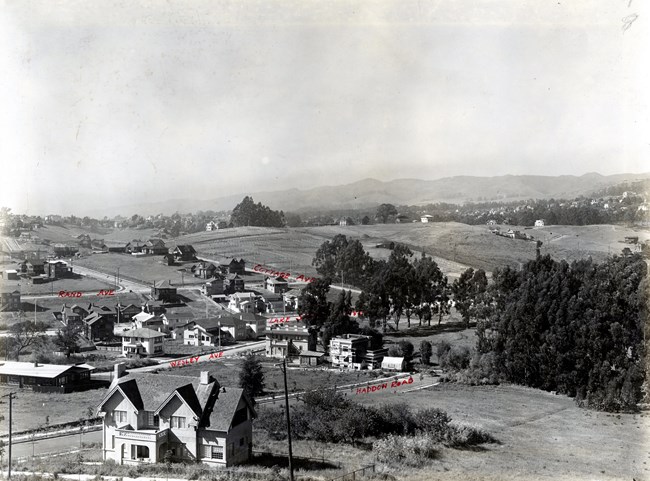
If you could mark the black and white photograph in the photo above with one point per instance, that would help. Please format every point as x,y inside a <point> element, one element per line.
<point>346,240</point>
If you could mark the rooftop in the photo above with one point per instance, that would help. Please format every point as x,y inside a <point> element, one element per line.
<point>143,332</point>
<point>14,368</point>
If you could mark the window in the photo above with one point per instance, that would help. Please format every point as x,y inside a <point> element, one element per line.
<point>151,419</point>
<point>119,416</point>
<point>241,442</point>
<point>212,452</point>
<point>177,422</point>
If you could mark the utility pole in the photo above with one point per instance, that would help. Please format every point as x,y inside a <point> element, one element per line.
<point>283,366</point>
<point>11,397</point>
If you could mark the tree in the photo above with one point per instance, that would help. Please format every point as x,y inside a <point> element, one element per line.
<point>25,334</point>
<point>365,220</point>
<point>469,293</point>
<point>425,352</point>
<point>400,280</point>
<point>430,288</point>
<point>66,339</point>
<point>313,306</point>
<point>339,320</point>
<point>407,349</point>
<point>375,301</point>
<point>326,258</point>
<point>385,211</point>
<point>251,376</point>
<point>247,212</point>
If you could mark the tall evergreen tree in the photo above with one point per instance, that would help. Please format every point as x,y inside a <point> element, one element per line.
<point>251,376</point>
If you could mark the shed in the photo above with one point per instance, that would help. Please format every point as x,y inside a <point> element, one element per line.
<point>393,364</point>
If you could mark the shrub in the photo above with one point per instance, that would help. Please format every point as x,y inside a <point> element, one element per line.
<point>433,422</point>
<point>465,435</point>
<point>405,450</point>
<point>456,358</point>
<point>396,419</point>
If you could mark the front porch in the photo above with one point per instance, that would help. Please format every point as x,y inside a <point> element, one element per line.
<point>142,446</point>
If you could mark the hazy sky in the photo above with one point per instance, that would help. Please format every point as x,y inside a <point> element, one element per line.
<point>119,101</point>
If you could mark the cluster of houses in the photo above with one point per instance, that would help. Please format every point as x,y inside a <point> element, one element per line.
<point>223,279</point>
<point>156,247</point>
<point>299,345</point>
<point>39,270</point>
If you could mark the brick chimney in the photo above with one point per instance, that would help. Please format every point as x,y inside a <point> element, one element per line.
<point>118,370</point>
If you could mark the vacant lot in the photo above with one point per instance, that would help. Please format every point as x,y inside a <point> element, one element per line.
<point>83,284</point>
<point>542,436</point>
<point>145,269</point>
<point>32,410</point>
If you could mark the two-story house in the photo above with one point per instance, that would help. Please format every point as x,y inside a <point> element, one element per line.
<point>193,419</point>
<point>142,342</point>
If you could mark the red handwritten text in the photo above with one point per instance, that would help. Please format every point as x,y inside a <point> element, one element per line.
<point>195,359</point>
<point>379,387</point>
<point>69,294</point>
<point>281,320</point>
<point>184,362</point>
<point>110,292</point>
<point>284,275</point>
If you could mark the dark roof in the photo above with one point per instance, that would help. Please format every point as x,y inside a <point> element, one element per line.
<point>212,323</point>
<point>276,280</point>
<point>149,391</point>
<point>93,317</point>
<point>155,242</point>
<point>186,249</point>
<point>225,407</point>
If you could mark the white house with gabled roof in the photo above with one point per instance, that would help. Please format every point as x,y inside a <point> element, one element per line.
<point>146,416</point>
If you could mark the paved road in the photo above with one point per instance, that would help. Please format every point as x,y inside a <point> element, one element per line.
<point>61,444</point>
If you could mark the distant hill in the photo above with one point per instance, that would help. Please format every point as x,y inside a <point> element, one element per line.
<point>371,192</point>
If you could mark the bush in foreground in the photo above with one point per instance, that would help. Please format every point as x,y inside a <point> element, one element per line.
<point>412,451</point>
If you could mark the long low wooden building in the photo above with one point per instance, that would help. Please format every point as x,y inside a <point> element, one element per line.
<point>45,377</point>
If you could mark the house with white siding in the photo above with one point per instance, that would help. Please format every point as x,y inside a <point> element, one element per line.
<point>196,420</point>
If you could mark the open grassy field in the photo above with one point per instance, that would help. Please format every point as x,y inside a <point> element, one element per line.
<point>454,246</point>
<point>542,436</point>
<point>31,408</point>
<point>476,246</point>
<point>146,269</point>
<point>75,284</point>
<point>69,233</point>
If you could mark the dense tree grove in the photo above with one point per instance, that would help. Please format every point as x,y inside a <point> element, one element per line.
<point>331,318</point>
<point>247,212</point>
<point>572,328</point>
<point>394,287</point>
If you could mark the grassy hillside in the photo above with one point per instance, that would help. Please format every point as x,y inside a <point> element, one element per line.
<point>455,246</point>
